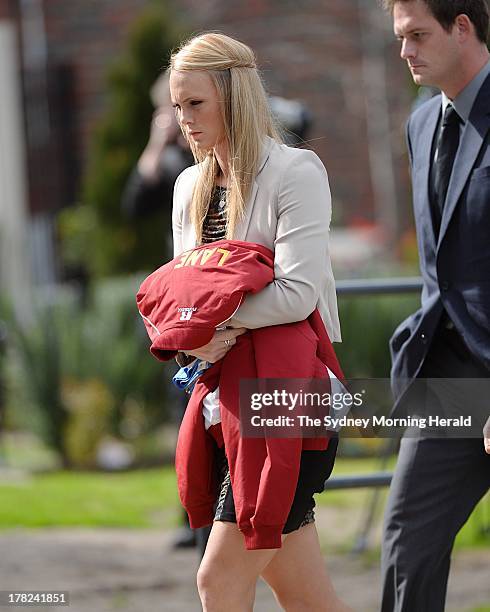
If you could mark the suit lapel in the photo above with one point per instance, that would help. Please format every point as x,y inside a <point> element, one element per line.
<point>242,229</point>
<point>421,199</point>
<point>471,142</point>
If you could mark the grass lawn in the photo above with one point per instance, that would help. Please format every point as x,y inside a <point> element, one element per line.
<point>142,498</point>
<point>148,498</point>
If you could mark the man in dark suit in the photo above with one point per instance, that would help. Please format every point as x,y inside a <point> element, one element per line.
<point>437,481</point>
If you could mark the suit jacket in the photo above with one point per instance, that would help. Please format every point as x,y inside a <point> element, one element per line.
<point>289,212</point>
<point>455,268</point>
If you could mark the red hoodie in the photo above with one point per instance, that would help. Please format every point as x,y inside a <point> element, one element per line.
<point>264,471</point>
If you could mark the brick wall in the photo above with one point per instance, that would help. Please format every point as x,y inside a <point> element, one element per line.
<point>65,93</point>
<point>84,38</point>
<point>7,9</point>
<point>311,50</point>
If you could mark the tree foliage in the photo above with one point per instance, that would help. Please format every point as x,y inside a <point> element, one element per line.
<point>95,234</point>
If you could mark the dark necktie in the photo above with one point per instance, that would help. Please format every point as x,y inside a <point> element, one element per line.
<point>447,145</point>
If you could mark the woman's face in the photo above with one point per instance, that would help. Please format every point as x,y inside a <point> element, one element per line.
<point>197,107</point>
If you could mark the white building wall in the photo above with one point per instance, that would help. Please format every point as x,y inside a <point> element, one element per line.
<point>15,274</point>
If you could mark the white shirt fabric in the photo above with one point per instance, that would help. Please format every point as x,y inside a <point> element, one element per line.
<point>210,405</point>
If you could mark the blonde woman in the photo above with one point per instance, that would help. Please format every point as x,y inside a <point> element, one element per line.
<point>248,186</point>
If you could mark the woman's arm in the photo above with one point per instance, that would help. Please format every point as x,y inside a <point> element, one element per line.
<point>181,358</point>
<point>177,213</point>
<point>300,248</point>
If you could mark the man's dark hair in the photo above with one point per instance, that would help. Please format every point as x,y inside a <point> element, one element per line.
<point>446,11</point>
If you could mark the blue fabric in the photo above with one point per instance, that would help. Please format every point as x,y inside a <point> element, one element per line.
<point>186,377</point>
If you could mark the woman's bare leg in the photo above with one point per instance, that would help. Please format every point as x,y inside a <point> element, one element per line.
<point>298,576</point>
<point>228,573</point>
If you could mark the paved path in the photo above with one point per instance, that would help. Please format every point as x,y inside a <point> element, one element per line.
<point>111,570</point>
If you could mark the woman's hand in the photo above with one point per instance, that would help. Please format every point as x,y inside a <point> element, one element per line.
<point>221,343</point>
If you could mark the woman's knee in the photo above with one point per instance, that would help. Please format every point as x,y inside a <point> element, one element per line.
<point>209,588</point>
<point>207,582</point>
<point>218,592</point>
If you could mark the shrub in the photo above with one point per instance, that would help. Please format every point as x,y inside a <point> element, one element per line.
<point>367,325</point>
<point>75,366</point>
<point>89,405</point>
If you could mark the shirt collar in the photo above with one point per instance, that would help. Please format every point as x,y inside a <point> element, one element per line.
<point>463,102</point>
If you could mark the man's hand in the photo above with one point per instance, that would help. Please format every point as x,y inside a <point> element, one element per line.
<point>164,130</point>
<point>218,347</point>
<point>486,436</point>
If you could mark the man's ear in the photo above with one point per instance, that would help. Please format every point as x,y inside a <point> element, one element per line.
<point>464,27</point>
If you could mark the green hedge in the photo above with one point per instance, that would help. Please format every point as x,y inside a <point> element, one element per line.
<point>367,324</point>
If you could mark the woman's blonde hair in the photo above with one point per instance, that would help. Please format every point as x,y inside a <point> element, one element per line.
<point>246,117</point>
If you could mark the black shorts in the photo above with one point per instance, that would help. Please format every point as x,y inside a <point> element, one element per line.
<point>315,468</point>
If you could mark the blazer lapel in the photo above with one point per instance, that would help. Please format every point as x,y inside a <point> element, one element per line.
<point>421,185</point>
<point>471,142</point>
<point>242,229</point>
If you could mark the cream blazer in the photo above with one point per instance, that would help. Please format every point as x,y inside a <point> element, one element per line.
<point>289,211</point>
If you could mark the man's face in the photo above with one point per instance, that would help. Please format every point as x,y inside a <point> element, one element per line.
<point>431,52</point>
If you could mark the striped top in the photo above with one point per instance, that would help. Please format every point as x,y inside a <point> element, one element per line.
<point>214,227</point>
